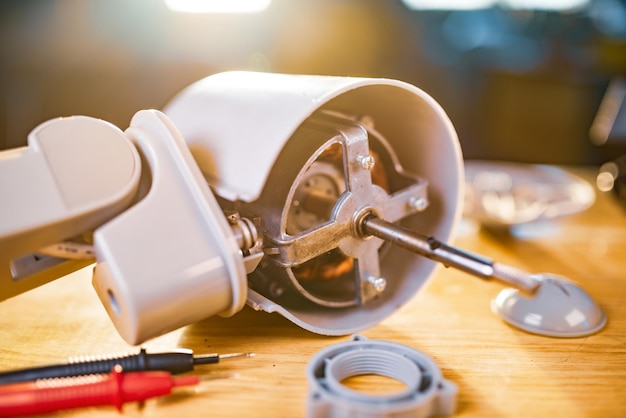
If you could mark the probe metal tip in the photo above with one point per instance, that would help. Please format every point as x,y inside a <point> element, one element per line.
<point>215,358</point>
<point>236,355</point>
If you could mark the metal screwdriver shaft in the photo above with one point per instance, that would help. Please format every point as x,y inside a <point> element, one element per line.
<point>450,256</point>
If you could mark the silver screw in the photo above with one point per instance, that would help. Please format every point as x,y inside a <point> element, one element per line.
<point>366,161</point>
<point>418,203</point>
<point>378,283</point>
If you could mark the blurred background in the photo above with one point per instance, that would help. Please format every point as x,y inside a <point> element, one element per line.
<point>522,80</point>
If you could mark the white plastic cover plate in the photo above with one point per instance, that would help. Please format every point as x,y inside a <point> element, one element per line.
<point>560,308</point>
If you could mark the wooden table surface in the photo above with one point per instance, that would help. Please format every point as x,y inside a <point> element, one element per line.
<point>500,371</point>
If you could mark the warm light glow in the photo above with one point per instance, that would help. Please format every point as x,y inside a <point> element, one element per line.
<point>218,6</point>
<point>482,4</point>
<point>448,4</point>
<point>546,4</point>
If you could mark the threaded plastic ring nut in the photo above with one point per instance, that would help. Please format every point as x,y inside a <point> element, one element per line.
<point>426,393</point>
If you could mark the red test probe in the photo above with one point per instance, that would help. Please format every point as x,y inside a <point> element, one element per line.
<point>115,388</point>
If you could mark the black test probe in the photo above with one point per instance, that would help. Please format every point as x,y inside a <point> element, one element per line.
<point>175,362</point>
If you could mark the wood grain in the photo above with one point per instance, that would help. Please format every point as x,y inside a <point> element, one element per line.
<point>500,371</point>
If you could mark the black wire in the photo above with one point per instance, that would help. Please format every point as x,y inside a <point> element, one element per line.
<point>175,362</point>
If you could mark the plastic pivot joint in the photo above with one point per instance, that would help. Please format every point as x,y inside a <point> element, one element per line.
<point>172,258</point>
<point>75,174</point>
<point>426,393</point>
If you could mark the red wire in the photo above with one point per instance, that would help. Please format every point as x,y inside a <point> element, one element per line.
<point>116,388</point>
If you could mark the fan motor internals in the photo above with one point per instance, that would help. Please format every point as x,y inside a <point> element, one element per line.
<point>333,173</point>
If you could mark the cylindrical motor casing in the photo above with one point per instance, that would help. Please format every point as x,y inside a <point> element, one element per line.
<point>237,123</point>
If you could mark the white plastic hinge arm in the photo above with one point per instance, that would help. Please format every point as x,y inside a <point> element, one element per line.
<point>172,259</point>
<point>75,174</point>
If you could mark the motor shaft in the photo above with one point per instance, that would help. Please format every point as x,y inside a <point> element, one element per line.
<point>450,256</point>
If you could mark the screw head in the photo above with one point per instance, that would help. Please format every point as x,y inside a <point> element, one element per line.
<point>378,283</point>
<point>366,161</point>
<point>418,203</point>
